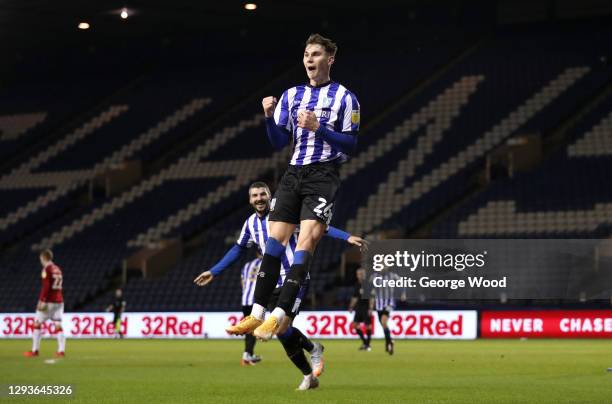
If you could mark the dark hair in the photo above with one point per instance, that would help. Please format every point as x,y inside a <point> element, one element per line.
<point>330,46</point>
<point>259,184</point>
<point>47,254</point>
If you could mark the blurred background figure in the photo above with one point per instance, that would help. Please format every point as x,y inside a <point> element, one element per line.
<point>117,307</point>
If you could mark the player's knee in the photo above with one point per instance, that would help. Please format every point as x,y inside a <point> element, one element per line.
<point>281,232</point>
<point>306,245</point>
<point>284,335</point>
<point>284,326</point>
<point>36,325</point>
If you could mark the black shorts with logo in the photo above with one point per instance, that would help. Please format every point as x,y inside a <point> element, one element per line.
<point>306,192</point>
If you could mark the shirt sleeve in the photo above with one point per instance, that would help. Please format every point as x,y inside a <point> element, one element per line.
<point>281,113</point>
<point>245,239</point>
<point>46,286</point>
<point>351,118</point>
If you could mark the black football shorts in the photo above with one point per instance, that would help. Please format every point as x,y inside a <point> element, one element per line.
<point>306,192</point>
<point>361,316</point>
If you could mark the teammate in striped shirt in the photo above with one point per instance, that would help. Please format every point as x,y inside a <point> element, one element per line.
<point>384,300</point>
<point>50,305</point>
<point>248,277</point>
<point>321,120</point>
<point>255,233</point>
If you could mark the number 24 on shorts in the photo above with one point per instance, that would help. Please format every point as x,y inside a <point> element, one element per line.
<point>326,213</point>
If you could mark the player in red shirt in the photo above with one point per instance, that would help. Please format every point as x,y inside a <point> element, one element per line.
<point>50,304</point>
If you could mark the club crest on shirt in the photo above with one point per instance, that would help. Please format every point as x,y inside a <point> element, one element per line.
<point>327,102</point>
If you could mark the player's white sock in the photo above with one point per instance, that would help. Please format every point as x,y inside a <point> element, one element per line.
<point>258,311</point>
<point>246,356</point>
<point>61,341</point>
<point>36,340</point>
<point>279,314</point>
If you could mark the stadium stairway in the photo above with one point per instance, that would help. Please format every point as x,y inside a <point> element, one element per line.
<point>51,181</point>
<point>566,196</point>
<point>61,100</point>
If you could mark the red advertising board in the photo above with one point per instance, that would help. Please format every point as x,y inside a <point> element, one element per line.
<point>421,324</point>
<point>546,324</point>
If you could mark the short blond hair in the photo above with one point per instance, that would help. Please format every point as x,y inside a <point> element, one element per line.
<point>47,255</point>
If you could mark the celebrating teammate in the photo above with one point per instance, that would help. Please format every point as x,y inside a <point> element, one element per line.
<point>50,305</point>
<point>248,277</point>
<point>117,307</point>
<point>255,231</point>
<point>362,303</point>
<point>322,119</point>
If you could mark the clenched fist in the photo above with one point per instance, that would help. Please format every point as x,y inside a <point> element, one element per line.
<point>308,120</point>
<point>269,104</point>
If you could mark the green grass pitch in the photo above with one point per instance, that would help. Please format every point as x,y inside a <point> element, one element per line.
<point>156,371</point>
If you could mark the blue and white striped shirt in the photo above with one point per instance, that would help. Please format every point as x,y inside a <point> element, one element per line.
<point>385,296</point>
<point>255,232</point>
<point>249,278</point>
<point>334,105</point>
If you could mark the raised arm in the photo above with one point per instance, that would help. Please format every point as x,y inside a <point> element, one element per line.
<point>278,137</point>
<point>228,259</point>
<point>277,120</point>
